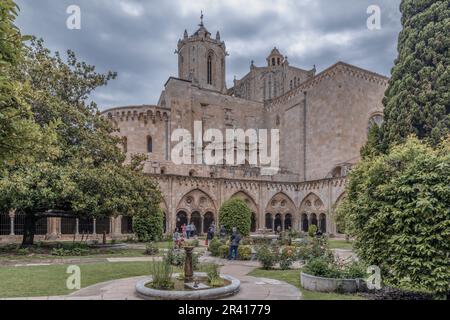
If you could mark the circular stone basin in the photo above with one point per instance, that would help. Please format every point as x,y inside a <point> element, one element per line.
<point>231,288</point>
<point>320,284</point>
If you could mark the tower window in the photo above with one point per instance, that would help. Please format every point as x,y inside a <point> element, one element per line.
<point>149,144</point>
<point>278,61</point>
<point>273,61</point>
<point>209,67</point>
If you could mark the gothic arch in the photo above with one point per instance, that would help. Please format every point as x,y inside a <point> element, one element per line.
<point>334,207</point>
<point>311,210</point>
<point>339,200</point>
<point>198,205</point>
<point>280,206</point>
<point>197,200</point>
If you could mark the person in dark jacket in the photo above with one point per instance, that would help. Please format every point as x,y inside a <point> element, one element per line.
<point>234,245</point>
<point>223,232</point>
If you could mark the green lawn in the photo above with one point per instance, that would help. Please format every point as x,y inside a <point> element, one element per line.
<point>37,281</point>
<point>340,244</point>
<point>99,255</point>
<point>293,277</point>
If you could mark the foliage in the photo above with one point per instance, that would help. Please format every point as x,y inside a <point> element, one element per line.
<point>314,248</point>
<point>267,256</point>
<point>213,274</point>
<point>151,249</point>
<point>323,267</point>
<point>148,226</point>
<point>235,213</point>
<point>20,136</point>
<point>312,229</point>
<point>417,100</point>
<point>287,257</point>
<point>224,250</point>
<point>177,257</point>
<point>397,210</point>
<point>214,247</point>
<point>79,171</point>
<point>161,273</point>
<point>244,253</point>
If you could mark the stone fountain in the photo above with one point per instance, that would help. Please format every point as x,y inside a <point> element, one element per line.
<point>194,288</point>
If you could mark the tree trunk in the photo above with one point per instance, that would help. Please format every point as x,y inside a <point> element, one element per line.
<point>29,229</point>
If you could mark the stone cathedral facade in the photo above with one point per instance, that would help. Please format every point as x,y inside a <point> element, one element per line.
<point>323,120</point>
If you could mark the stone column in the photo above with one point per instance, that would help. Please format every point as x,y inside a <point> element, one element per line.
<point>202,218</point>
<point>188,270</point>
<point>12,214</point>
<point>77,226</point>
<point>94,226</point>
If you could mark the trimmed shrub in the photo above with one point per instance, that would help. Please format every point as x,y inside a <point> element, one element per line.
<point>244,253</point>
<point>214,247</point>
<point>235,213</point>
<point>149,227</point>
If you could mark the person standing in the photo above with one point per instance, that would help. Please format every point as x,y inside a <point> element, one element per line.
<point>223,232</point>
<point>210,234</point>
<point>234,244</point>
<point>188,231</point>
<point>176,238</point>
<point>193,230</point>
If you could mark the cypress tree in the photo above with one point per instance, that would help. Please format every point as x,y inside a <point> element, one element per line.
<point>417,100</point>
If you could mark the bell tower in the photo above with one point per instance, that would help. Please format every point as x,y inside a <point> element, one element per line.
<point>201,59</point>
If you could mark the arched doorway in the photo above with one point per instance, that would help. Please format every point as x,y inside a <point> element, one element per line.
<point>280,205</point>
<point>305,223</point>
<point>278,222</point>
<point>269,224</point>
<point>323,223</point>
<point>208,220</point>
<point>181,219</point>
<point>313,219</point>
<point>288,222</point>
<point>196,219</point>
<point>253,224</point>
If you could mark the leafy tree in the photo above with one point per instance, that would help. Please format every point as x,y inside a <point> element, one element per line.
<point>397,208</point>
<point>18,132</point>
<point>373,145</point>
<point>82,172</point>
<point>417,100</point>
<point>235,213</point>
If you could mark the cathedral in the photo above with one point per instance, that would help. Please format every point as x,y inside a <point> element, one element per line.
<point>323,120</point>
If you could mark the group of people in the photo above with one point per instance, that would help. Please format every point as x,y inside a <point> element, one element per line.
<point>189,230</point>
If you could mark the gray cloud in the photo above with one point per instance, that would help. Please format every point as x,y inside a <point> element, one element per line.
<point>137,38</point>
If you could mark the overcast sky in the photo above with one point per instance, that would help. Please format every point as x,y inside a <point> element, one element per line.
<point>137,39</point>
